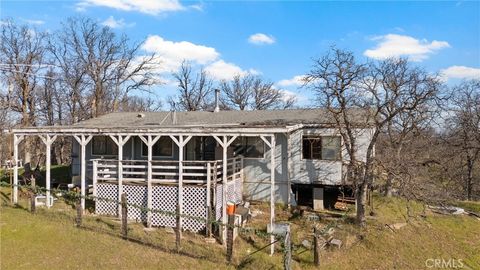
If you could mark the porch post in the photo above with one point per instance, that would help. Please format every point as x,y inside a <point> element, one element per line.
<point>149,141</point>
<point>48,140</point>
<point>272,189</point>
<point>120,141</point>
<point>16,141</point>
<point>181,142</point>
<point>225,142</point>
<point>272,145</point>
<point>83,141</point>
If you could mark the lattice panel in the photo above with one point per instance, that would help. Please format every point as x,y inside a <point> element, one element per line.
<point>108,206</point>
<point>219,202</point>
<point>136,195</point>
<point>194,205</point>
<point>164,198</point>
<point>238,190</point>
<point>231,197</point>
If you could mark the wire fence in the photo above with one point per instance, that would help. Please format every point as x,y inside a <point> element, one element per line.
<point>71,197</point>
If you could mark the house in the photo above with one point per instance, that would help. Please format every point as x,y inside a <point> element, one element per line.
<point>199,160</point>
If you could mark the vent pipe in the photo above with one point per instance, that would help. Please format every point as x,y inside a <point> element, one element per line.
<point>217,100</point>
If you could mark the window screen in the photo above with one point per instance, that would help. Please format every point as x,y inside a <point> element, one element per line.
<point>162,148</point>
<point>249,147</point>
<point>103,145</point>
<point>321,147</point>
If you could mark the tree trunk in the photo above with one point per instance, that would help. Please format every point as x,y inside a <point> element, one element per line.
<point>469,178</point>
<point>361,199</point>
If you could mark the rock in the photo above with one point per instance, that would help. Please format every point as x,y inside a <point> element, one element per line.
<point>398,226</point>
<point>256,213</point>
<point>306,244</point>
<point>330,231</point>
<point>169,230</point>
<point>336,243</point>
<point>312,217</point>
<point>210,240</point>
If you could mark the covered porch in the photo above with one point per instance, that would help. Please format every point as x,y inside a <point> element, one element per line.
<point>198,188</point>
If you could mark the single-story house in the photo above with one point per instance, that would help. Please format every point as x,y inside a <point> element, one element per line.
<point>165,160</point>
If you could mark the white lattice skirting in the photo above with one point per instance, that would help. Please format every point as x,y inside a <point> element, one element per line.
<point>164,198</point>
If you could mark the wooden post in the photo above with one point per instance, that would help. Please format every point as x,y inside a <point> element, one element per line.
<point>208,223</point>
<point>16,141</point>
<point>32,202</point>
<point>78,219</point>
<point>94,178</point>
<point>178,230</point>
<point>83,141</point>
<point>287,255</point>
<point>316,247</point>
<point>230,227</point>
<point>120,142</point>
<point>48,140</point>
<point>123,199</point>
<point>149,141</point>
<point>272,145</point>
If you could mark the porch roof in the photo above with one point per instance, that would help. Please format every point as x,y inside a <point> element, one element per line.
<point>195,122</point>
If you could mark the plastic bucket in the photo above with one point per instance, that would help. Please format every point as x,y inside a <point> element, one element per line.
<point>230,208</point>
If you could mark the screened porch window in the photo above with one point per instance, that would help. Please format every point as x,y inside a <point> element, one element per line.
<point>249,147</point>
<point>103,146</point>
<point>321,147</point>
<point>162,148</point>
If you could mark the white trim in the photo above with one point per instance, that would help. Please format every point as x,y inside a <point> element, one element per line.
<point>172,147</point>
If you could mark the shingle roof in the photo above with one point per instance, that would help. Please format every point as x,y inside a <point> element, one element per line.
<point>203,118</point>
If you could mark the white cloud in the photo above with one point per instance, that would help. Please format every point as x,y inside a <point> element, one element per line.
<point>295,81</point>
<point>172,53</point>
<point>460,72</point>
<point>152,7</point>
<point>393,45</point>
<point>260,39</point>
<point>221,70</point>
<point>113,23</point>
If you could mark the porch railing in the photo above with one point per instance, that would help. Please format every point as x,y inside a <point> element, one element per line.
<point>165,171</point>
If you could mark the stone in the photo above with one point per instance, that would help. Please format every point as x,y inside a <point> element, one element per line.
<point>306,244</point>
<point>336,243</point>
<point>169,230</point>
<point>398,226</point>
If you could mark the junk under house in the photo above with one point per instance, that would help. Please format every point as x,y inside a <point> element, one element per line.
<point>198,161</point>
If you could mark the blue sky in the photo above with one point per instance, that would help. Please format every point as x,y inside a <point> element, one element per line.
<point>277,39</point>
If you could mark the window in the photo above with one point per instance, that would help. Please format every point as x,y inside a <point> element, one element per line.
<point>103,145</point>
<point>162,148</point>
<point>321,147</point>
<point>249,147</point>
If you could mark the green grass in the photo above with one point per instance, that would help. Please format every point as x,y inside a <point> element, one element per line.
<point>49,240</point>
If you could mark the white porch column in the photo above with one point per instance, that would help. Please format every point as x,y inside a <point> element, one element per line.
<point>181,142</point>
<point>120,140</point>
<point>272,145</point>
<point>149,141</point>
<point>48,140</point>
<point>225,142</point>
<point>16,141</point>
<point>83,141</point>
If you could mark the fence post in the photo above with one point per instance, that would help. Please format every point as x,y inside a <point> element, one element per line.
<point>287,256</point>
<point>316,247</point>
<point>230,227</point>
<point>32,203</point>
<point>78,206</point>
<point>124,215</point>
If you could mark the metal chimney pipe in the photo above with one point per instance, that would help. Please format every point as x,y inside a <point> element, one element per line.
<point>217,100</point>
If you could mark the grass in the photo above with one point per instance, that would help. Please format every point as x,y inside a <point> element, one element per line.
<point>49,239</point>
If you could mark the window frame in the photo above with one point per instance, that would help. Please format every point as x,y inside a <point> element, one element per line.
<point>103,155</point>
<point>246,137</point>
<point>340,156</point>
<point>142,144</point>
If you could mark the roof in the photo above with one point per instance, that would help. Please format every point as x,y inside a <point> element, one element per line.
<point>126,121</point>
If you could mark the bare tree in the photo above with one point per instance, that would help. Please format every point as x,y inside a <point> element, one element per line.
<point>22,52</point>
<point>113,67</point>
<point>378,93</point>
<point>254,93</point>
<point>463,128</point>
<point>194,89</point>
